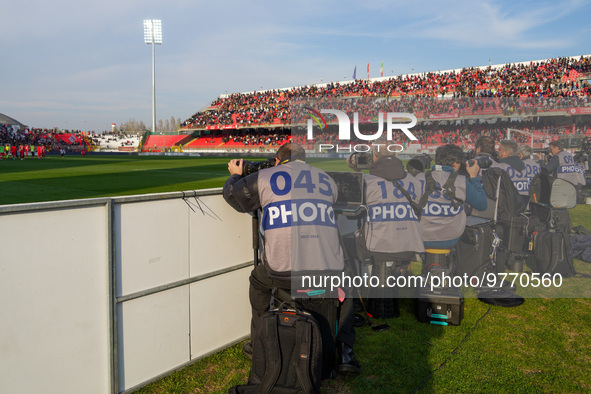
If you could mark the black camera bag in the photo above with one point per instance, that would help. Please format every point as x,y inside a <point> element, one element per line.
<point>552,253</point>
<point>474,248</point>
<point>287,353</point>
<point>554,218</point>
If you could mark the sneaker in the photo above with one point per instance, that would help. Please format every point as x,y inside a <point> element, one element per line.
<point>247,349</point>
<point>347,360</point>
<point>358,320</point>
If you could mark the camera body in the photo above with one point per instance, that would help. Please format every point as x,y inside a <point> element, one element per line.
<point>544,151</point>
<point>360,161</point>
<point>583,158</point>
<point>483,161</point>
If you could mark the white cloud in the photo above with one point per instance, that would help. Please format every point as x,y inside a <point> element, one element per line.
<point>488,24</point>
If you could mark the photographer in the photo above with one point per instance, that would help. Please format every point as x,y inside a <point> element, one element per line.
<point>532,167</point>
<point>391,234</point>
<point>484,154</point>
<point>443,218</point>
<point>292,243</point>
<point>562,165</point>
<point>526,154</point>
<point>510,161</point>
<point>392,226</point>
<point>485,147</point>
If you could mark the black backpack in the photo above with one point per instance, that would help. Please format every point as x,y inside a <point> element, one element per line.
<point>510,203</point>
<point>555,192</point>
<point>552,253</point>
<point>287,353</point>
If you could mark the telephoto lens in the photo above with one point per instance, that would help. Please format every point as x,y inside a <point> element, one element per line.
<point>418,164</point>
<point>250,167</point>
<point>483,161</point>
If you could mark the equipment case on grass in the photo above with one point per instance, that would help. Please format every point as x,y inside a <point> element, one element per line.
<point>445,307</point>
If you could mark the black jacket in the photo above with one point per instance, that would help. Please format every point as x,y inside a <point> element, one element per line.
<point>242,193</point>
<point>514,161</point>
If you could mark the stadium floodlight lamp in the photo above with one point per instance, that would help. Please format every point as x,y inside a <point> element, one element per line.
<point>153,35</point>
<point>152,31</point>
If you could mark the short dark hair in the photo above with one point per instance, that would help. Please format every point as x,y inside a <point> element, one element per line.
<point>486,144</point>
<point>448,155</point>
<point>380,148</point>
<point>290,151</point>
<point>556,144</point>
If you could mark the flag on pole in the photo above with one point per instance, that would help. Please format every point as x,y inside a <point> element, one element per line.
<point>355,73</point>
<point>367,70</point>
<point>382,70</point>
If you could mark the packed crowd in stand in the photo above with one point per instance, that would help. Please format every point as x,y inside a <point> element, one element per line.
<point>553,80</point>
<point>265,118</point>
<point>459,132</point>
<point>29,140</point>
<point>12,136</point>
<point>258,138</point>
<point>115,141</point>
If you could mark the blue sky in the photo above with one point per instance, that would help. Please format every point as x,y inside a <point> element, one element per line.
<point>84,65</point>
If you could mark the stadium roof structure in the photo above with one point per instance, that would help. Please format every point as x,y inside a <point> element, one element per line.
<point>10,121</point>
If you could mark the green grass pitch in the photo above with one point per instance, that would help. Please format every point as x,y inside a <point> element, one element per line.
<point>74,177</point>
<point>542,346</point>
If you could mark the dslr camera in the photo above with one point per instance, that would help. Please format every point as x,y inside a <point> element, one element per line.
<point>545,151</point>
<point>250,167</point>
<point>360,161</point>
<point>484,162</point>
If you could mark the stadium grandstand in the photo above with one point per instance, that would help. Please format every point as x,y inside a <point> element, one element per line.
<point>17,134</point>
<point>542,100</point>
<point>115,142</point>
<point>52,140</point>
<point>444,102</point>
<point>8,121</point>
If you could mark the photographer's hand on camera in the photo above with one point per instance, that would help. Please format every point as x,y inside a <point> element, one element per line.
<point>235,167</point>
<point>472,168</point>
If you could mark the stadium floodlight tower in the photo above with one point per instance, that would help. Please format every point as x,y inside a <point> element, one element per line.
<point>153,35</point>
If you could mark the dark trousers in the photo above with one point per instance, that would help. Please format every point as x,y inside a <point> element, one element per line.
<point>260,292</point>
<point>346,332</point>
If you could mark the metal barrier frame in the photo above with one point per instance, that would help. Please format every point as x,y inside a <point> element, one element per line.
<point>113,325</point>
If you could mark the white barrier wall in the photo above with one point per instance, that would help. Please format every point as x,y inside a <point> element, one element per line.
<point>54,297</point>
<point>104,295</point>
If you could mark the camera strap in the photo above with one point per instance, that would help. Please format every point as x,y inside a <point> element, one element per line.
<point>415,207</point>
<point>448,189</point>
<point>430,187</point>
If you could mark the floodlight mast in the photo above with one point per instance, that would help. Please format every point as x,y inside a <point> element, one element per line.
<point>153,35</point>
